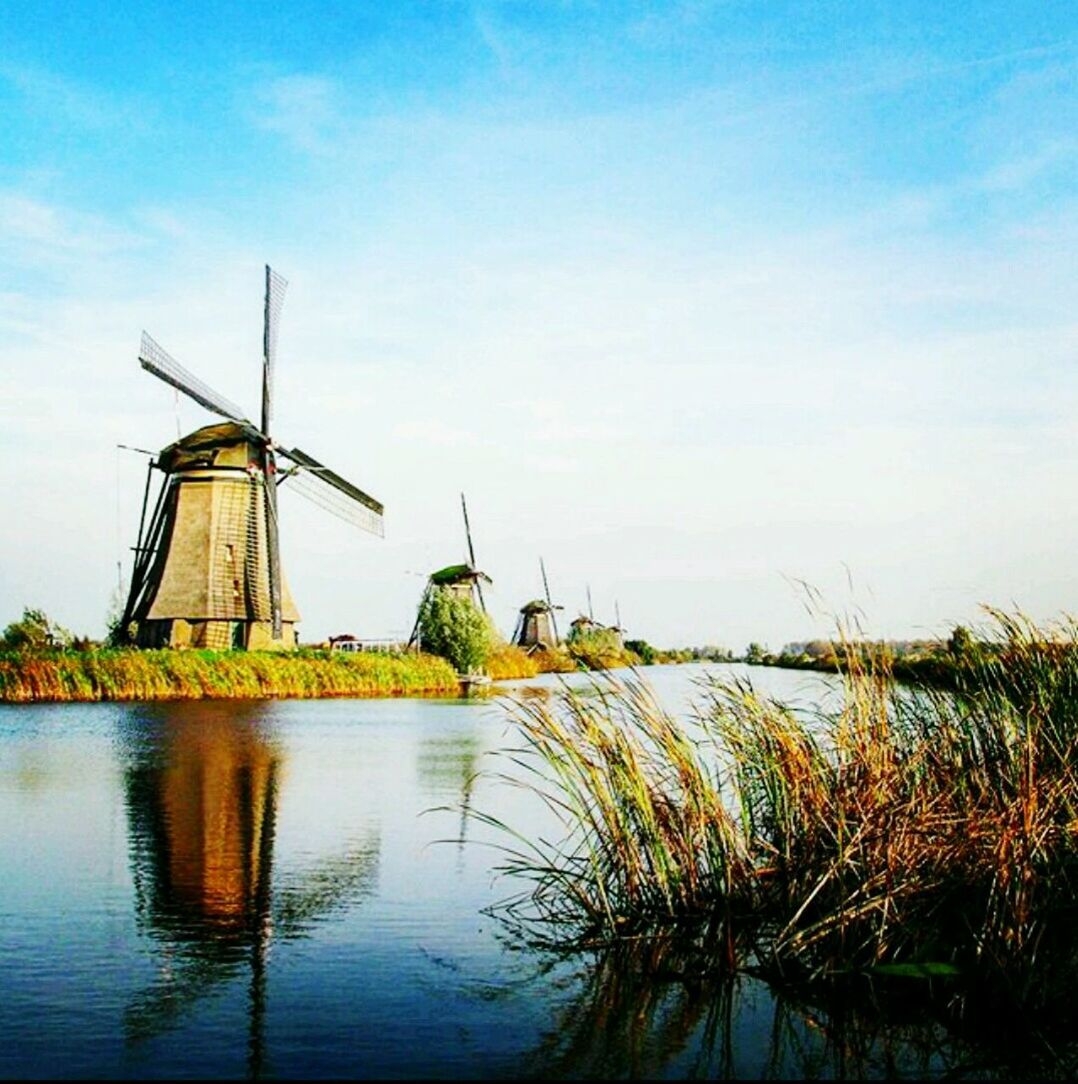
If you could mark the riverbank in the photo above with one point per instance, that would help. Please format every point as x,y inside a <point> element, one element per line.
<point>941,670</point>
<point>891,834</point>
<point>129,674</point>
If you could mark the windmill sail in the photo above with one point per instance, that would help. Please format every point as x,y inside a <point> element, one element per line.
<point>335,494</point>
<point>546,591</point>
<point>275,288</point>
<point>155,359</point>
<point>471,553</point>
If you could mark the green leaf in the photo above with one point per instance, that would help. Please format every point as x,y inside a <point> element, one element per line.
<point>924,970</point>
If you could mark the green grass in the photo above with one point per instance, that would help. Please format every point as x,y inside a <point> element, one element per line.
<point>907,826</point>
<point>127,674</point>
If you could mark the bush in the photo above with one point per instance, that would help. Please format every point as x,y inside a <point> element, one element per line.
<point>451,626</point>
<point>643,650</point>
<point>598,649</point>
<point>34,631</point>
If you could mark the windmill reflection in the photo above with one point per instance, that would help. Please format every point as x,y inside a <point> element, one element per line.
<point>448,768</point>
<point>201,788</point>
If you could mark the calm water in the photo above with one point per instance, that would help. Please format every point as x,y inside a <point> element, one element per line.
<point>265,889</point>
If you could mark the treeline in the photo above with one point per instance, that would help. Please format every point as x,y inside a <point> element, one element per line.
<point>933,662</point>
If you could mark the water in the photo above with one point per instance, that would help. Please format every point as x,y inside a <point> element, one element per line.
<point>282,889</point>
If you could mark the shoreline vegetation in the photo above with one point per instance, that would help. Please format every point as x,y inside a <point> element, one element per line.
<point>42,662</point>
<point>905,834</point>
<point>128,674</point>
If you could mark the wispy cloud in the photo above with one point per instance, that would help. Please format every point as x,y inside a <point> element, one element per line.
<point>62,99</point>
<point>301,108</point>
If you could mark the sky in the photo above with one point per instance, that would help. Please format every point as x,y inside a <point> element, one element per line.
<point>749,316</point>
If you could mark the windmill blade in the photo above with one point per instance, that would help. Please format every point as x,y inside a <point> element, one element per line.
<point>335,494</point>
<point>546,589</point>
<point>155,359</point>
<point>275,290</point>
<point>471,553</point>
<point>467,531</point>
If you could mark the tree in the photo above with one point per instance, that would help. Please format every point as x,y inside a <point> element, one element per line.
<point>643,650</point>
<point>754,653</point>
<point>961,643</point>
<point>34,631</point>
<point>451,626</point>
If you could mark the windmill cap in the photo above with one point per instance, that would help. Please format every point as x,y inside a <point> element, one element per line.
<point>451,574</point>
<point>182,452</point>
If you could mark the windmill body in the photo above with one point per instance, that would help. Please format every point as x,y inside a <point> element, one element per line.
<point>535,627</point>
<point>207,570</point>
<point>210,586</point>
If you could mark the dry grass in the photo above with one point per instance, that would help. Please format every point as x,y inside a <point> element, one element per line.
<point>555,661</point>
<point>904,827</point>
<point>507,661</point>
<point>197,675</point>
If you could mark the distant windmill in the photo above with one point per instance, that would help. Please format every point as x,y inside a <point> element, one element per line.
<point>537,625</point>
<point>207,569</point>
<point>465,581</point>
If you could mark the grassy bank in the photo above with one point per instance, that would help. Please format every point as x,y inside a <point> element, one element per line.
<point>27,677</point>
<point>908,832</point>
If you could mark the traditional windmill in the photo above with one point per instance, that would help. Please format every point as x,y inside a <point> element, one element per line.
<point>537,627</point>
<point>207,568</point>
<point>464,580</point>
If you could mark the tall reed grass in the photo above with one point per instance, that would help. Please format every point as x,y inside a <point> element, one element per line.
<point>194,675</point>
<point>507,662</point>
<point>906,828</point>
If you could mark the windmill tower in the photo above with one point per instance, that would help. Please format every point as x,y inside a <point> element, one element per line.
<point>207,569</point>
<point>464,580</point>
<point>537,626</point>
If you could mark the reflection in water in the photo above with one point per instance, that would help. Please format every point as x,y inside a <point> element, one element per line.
<point>201,789</point>
<point>631,1018</point>
<point>448,765</point>
<point>661,1007</point>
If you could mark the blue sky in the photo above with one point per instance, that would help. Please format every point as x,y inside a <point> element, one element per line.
<point>696,299</point>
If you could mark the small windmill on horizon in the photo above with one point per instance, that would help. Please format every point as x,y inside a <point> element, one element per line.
<point>207,568</point>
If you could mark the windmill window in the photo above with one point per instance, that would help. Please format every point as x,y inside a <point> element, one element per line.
<point>235,589</point>
<point>230,553</point>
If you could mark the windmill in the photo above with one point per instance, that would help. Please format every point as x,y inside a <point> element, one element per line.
<point>207,567</point>
<point>537,626</point>
<point>463,580</point>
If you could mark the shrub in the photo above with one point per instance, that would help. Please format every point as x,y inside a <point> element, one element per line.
<point>453,627</point>
<point>34,631</point>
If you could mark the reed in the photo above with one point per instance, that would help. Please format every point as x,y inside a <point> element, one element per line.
<point>507,662</point>
<point>196,675</point>
<point>907,827</point>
